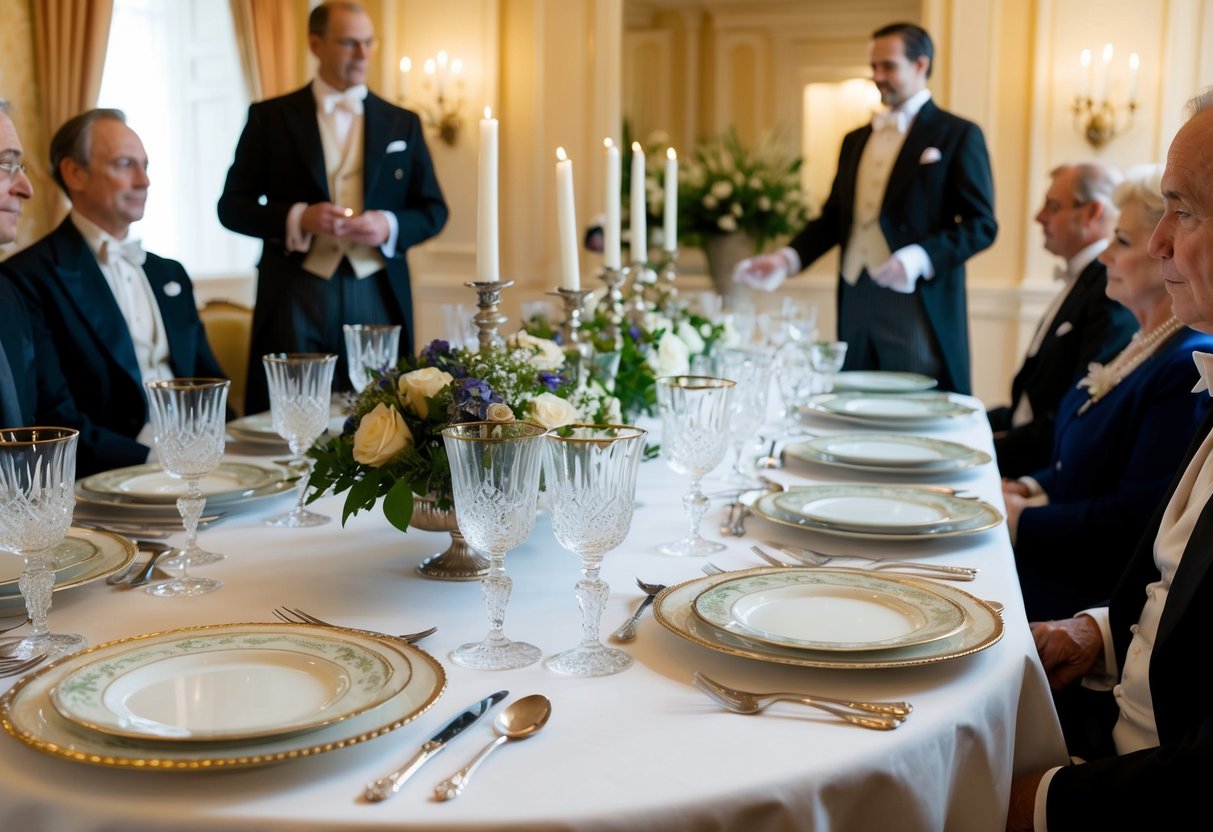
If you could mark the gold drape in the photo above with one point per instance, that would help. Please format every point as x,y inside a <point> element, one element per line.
<point>267,36</point>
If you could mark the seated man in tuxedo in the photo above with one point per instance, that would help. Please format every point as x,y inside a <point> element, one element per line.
<point>1080,325</point>
<point>18,390</point>
<point>1139,719</point>
<point>116,317</point>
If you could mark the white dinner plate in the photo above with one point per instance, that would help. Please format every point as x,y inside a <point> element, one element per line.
<point>878,508</point>
<point>231,685</point>
<point>829,610</point>
<point>256,427</point>
<point>673,609</point>
<point>887,410</point>
<point>882,381</point>
<point>987,517</point>
<point>85,555</point>
<point>888,453</point>
<point>27,713</point>
<point>149,483</point>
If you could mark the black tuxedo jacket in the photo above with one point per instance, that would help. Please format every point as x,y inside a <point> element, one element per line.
<point>1089,326</point>
<point>72,308</point>
<point>1163,787</point>
<point>945,206</point>
<point>42,394</point>
<point>279,162</point>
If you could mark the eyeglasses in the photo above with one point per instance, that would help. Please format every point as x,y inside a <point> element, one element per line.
<point>350,44</point>
<point>10,169</point>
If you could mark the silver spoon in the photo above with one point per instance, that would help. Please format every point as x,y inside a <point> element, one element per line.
<point>517,722</point>
<point>770,461</point>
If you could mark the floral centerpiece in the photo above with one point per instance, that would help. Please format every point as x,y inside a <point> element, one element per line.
<point>391,446</point>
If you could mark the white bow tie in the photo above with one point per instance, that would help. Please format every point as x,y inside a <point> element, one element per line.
<point>1061,274</point>
<point>350,100</point>
<point>890,120</point>
<point>131,251</point>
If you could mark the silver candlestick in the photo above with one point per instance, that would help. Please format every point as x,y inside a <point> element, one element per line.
<point>613,303</point>
<point>489,318</point>
<point>570,328</point>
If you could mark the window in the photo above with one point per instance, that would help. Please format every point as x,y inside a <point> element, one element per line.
<point>174,70</point>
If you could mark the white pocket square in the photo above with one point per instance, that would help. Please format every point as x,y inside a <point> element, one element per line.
<point>172,289</point>
<point>397,146</point>
<point>930,156</point>
<point>1063,328</point>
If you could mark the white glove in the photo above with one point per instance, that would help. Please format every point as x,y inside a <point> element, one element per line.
<point>892,275</point>
<point>763,271</point>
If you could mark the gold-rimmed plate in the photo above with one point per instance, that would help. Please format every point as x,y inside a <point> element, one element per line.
<point>150,484</point>
<point>26,712</point>
<point>85,555</point>
<point>673,610</point>
<point>985,517</point>
<point>888,453</point>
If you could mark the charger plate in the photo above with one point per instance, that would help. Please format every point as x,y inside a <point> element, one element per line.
<point>769,507</point>
<point>149,483</point>
<point>85,555</point>
<point>875,409</point>
<point>829,610</point>
<point>888,453</point>
<point>673,609</point>
<point>235,684</point>
<point>878,508</point>
<point>882,381</point>
<point>27,713</point>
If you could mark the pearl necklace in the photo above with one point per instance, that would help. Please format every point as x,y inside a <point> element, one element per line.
<point>1100,379</point>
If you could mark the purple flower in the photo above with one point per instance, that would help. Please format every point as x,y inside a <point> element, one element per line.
<point>472,400</point>
<point>634,331</point>
<point>435,351</point>
<point>551,381</point>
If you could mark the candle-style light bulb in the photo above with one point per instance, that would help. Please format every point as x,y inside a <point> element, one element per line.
<point>406,64</point>
<point>456,66</point>
<point>1134,65</point>
<point>430,67</point>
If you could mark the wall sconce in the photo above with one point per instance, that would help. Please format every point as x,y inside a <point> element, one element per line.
<point>1096,118</point>
<point>439,112</point>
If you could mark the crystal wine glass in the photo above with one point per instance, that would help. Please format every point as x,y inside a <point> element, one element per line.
<point>495,482</point>
<point>370,347</point>
<point>590,478</point>
<point>37,469</point>
<point>694,438</point>
<point>793,377</point>
<point>188,421</point>
<point>300,386</point>
<point>828,358</point>
<point>751,371</point>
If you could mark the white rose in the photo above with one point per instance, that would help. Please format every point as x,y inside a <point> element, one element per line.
<point>729,336</point>
<point>551,411</point>
<point>727,223</point>
<point>499,412</point>
<point>381,435</point>
<point>722,189</point>
<point>671,358</point>
<point>416,387</point>
<point>690,337</point>
<point>545,354</point>
<point>613,411</point>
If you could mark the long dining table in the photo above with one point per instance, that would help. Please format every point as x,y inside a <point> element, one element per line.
<point>642,749</point>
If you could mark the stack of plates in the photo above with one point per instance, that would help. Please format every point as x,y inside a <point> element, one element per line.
<point>257,428</point>
<point>828,618</point>
<point>876,512</point>
<point>84,555</point>
<point>147,492</point>
<point>223,696</point>
<point>892,411</point>
<point>882,381</point>
<point>888,453</point>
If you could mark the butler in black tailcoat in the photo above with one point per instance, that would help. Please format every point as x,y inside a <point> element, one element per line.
<point>913,199</point>
<point>115,315</point>
<point>338,184</point>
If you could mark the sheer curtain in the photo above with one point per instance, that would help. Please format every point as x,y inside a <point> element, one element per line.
<point>267,35</point>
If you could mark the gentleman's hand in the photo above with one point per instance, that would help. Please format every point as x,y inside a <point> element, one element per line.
<point>764,271</point>
<point>892,275</point>
<point>323,218</point>
<point>1015,503</point>
<point>1068,649</point>
<point>1023,802</point>
<point>370,228</point>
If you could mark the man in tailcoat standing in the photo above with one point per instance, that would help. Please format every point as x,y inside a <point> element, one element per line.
<point>912,200</point>
<point>338,184</point>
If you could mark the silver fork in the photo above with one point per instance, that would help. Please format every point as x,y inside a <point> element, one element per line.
<point>881,716</point>
<point>712,569</point>
<point>294,615</point>
<point>17,667</point>
<point>814,558</point>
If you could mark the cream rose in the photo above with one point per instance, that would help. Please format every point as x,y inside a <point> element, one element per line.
<point>690,336</point>
<point>546,355</point>
<point>416,387</point>
<point>671,358</point>
<point>380,436</point>
<point>551,411</point>
<point>499,412</point>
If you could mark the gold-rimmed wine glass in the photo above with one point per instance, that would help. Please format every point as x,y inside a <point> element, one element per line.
<point>301,388</point>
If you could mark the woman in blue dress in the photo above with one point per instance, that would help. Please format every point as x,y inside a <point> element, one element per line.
<point>1120,434</point>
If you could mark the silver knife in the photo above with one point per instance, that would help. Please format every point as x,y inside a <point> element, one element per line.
<point>385,787</point>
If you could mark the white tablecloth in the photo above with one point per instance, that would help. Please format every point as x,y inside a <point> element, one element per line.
<point>639,750</point>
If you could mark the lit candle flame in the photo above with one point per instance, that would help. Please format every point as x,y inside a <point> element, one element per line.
<point>561,155</point>
<point>670,154</point>
<point>607,143</point>
<point>488,113</point>
<point>406,64</point>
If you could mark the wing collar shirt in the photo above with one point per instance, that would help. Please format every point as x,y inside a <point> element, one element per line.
<point>1136,728</point>
<point>889,129</point>
<point>336,111</point>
